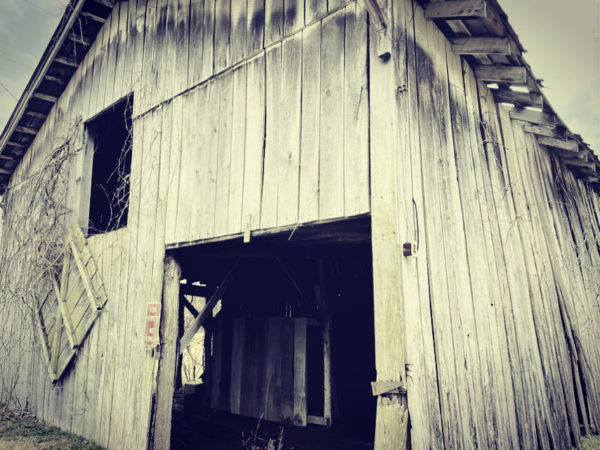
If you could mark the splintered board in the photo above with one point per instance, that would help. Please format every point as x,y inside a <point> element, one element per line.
<point>70,309</point>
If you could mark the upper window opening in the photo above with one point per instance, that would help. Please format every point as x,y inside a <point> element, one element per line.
<point>110,134</point>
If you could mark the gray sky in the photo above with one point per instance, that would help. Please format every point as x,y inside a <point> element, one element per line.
<point>562,39</point>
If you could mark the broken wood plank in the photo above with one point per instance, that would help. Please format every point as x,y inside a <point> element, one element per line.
<point>516,75</point>
<point>588,165</point>
<point>517,98</point>
<point>563,144</point>
<point>481,46</point>
<point>386,387</point>
<point>529,115</point>
<point>457,9</point>
<point>207,310</point>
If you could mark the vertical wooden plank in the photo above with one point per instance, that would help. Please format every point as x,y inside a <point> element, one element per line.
<point>186,16</point>
<point>273,21</point>
<point>300,409</point>
<point>314,10</point>
<point>289,153</point>
<point>223,168</point>
<point>237,358</point>
<point>293,16</point>
<point>175,168</point>
<point>255,27</point>
<point>121,82</point>
<point>169,66</point>
<point>208,36</point>
<point>333,5</point>
<point>273,400</point>
<point>222,34</point>
<point>287,370</point>
<point>239,29</point>
<point>197,34</point>
<point>309,150</point>
<point>168,356</point>
<point>331,134</point>
<point>238,145</point>
<point>191,111</point>
<point>356,112</point>
<point>273,138</point>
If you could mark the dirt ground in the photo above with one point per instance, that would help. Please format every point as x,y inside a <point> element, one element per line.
<point>22,431</point>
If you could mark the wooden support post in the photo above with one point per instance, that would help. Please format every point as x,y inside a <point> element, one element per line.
<point>185,303</point>
<point>167,365</point>
<point>456,9</point>
<point>321,295</point>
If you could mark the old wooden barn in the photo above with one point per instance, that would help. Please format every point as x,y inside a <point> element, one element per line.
<point>365,214</point>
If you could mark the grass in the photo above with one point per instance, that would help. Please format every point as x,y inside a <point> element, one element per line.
<point>22,431</point>
<point>590,443</point>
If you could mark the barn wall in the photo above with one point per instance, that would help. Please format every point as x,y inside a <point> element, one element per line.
<point>213,81</point>
<point>501,306</point>
<point>498,313</point>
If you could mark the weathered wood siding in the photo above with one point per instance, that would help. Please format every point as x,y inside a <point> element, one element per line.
<point>258,114</point>
<point>213,83</point>
<point>500,309</point>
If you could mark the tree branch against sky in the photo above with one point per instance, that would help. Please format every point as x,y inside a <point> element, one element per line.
<point>562,39</point>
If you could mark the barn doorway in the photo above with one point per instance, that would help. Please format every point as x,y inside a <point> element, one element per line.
<point>287,349</point>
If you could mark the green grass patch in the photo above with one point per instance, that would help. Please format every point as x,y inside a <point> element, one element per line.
<point>22,431</point>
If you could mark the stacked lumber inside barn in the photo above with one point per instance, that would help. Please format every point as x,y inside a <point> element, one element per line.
<point>253,117</point>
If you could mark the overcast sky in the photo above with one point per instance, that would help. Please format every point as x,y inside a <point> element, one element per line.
<point>562,39</point>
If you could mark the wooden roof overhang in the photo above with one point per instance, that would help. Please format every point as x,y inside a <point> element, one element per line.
<point>68,46</point>
<point>478,30</point>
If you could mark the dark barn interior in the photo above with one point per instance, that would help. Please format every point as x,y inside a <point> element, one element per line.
<point>289,348</point>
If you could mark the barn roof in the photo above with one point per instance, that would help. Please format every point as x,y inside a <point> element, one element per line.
<point>478,29</point>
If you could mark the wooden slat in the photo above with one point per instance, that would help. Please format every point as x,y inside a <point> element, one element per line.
<point>522,99</point>
<point>93,17</point>
<point>542,130</point>
<point>300,367</point>
<point>536,117</point>
<point>62,304</point>
<point>456,9</point>
<point>26,130</point>
<point>589,165</point>
<point>481,46</point>
<point>563,144</point>
<point>84,276</point>
<point>66,61</point>
<point>516,75</point>
<point>79,39</point>
<point>37,115</point>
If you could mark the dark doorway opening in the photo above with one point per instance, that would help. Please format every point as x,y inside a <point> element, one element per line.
<point>288,351</point>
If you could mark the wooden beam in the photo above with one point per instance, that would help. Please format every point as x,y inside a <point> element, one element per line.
<point>185,302</point>
<point>54,80</point>
<point>94,17</point>
<point>191,289</point>
<point>456,9</point>
<point>518,98</point>
<point>570,145</point>
<point>17,144</point>
<point>207,310</point>
<point>37,115</point>
<point>85,276</point>
<point>45,97</point>
<point>66,61</point>
<point>589,165</point>
<point>516,75</point>
<point>377,13</point>
<point>592,179</point>
<point>79,39</point>
<point>62,304</point>
<point>8,158</point>
<point>529,115</point>
<point>107,3</point>
<point>481,46</point>
<point>5,171</point>
<point>541,130</point>
<point>26,130</point>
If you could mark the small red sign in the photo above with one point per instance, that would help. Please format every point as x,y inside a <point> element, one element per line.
<point>152,324</point>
